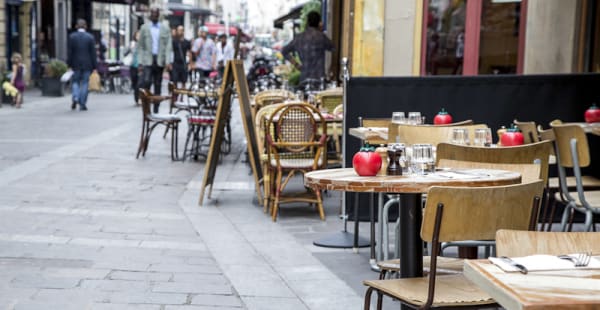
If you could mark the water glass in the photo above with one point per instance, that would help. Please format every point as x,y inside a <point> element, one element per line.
<point>422,158</point>
<point>483,137</point>
<point>398,118</point>
<point>460,136</point>
<point>414,118</point>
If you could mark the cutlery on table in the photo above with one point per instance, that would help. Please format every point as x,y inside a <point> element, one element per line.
<point>511,262</point>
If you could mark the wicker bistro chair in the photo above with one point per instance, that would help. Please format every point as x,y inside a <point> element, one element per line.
<point>297,144</point>
<point>572,151</point>
<point>151,120</point>
<point>181,100</point>
<point>268,97</point>
<point>261,125</point>
<point>454,214</point>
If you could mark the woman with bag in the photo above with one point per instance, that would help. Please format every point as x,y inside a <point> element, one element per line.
<point>17,80</point>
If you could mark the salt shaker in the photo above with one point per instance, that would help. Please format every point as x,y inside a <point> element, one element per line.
<point>383,152</point>
<point>394,153</point>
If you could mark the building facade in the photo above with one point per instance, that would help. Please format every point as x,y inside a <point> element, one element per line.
<point>471,37</point>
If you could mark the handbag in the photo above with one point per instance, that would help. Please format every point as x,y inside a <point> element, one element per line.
<point>66,76</point>
<point>128,59</point>
<point>94,82</point>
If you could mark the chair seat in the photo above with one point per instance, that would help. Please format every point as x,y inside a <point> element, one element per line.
<point>450,291</point>
<point>592,198</point>
<point>186,104</point>
<point>164,117</point>
<point>588,182</point>
<point>445,265</point>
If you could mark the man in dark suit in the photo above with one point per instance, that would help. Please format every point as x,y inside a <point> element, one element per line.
<point>82,60</point>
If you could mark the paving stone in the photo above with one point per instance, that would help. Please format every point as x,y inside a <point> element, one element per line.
<point>110,306</point>
<point>192,287</point>
<point>44,282</point>
<point>141,276</point>
<point>116,285</point>
<point>185,268</point>
<point>147,298</point>
<point>200,277</point>
<point>216,300</point>
<point>272,303</point>
<point>187,307</point>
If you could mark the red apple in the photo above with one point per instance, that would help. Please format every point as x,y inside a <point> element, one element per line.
<point>592,115</point>
<point>442,118</point>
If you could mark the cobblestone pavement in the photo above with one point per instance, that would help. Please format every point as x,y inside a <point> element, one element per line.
<point>84,225</point>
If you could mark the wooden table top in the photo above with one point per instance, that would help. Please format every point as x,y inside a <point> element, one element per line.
<point>368,133</point>
<point>346,179</point>
<point>593,128</point>
<point>564,289</point>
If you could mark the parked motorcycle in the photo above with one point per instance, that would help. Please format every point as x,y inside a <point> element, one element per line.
<point>261,76</point>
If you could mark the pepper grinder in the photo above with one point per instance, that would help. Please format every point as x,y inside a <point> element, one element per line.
<point>394,154</point>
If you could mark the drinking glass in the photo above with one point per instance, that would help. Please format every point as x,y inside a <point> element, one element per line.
<point>460,136</point>
<point>422,158</point>
<point>483,137</point>
<point>398,118</point>
<point>414,118</point>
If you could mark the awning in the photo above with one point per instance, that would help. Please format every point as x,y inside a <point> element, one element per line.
<point>180,9</point>
<point>294,13</point>
<point>216,29</point>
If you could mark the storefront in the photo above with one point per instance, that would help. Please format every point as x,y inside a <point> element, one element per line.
<point>473,37</point>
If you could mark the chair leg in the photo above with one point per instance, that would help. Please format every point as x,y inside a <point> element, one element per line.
<point>382,274</point>
<point>277,195</point>
<point>551,216</point>
<point>379,300</point>
<point>141,146</point>
<point>565,217</point>
<point>174,141</point>
<point>589,220</point>
<point>320,205</point>
<point>368,294</point>
<point>147,139</point>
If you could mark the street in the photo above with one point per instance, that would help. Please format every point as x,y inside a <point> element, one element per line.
<point>84,225</point>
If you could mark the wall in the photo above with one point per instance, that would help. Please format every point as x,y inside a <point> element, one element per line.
<point>368,41</point>
<point>3,64</point>
<point>550,36</point>
<point>398,40</point>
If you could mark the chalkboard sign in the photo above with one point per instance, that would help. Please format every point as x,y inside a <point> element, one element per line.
<point>234,71</point>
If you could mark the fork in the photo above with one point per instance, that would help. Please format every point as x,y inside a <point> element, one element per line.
<point>580,260</point>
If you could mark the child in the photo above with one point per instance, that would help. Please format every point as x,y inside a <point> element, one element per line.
<point>17,77</point>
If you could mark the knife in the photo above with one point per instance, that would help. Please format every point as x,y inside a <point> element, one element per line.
<point>511,262</point>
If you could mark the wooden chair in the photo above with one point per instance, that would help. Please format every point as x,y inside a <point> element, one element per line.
<point>519,243</point>
<point>393,128</point>
<point>297,145</point>
<point>589,182</point>
<point>454,214</point>
<point>529,130</point>
<point>260,127</point>
<point>268,97</point>
<point>329,99</point>
<point>151,120</point>
<point>412,134</point>
<point>572,151</point>
<point>375,122</point>
<point>181,100</point>
<point>335,132</point>
<point>523,154</point>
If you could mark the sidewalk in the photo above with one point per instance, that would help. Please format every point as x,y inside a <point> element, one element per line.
<point>84,225</point>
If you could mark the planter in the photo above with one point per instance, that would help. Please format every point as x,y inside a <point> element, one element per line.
<point>52,87</point>
<point>6,98</point>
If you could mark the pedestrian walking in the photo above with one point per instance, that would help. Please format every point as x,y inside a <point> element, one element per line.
<point>154,53</point>
<point>82,60</point>
<point>224,53</point>
<point>18,69</point>
<point>133,67</point>
<point>205,53</point>
<point>181,54</point>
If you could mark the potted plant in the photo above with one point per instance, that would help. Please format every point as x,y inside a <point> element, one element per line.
<point>50,83</point>
<point>4,77</point>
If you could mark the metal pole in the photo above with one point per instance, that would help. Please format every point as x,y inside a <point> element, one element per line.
<point>345,78</point>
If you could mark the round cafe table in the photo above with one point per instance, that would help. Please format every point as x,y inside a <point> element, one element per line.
<point>412,187</point>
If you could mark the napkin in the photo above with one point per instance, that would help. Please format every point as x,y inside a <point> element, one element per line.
<point>541,263</point>
<point>455,175</point>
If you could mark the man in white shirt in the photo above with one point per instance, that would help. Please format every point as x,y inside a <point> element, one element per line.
<point>204,51</point>
<point>224,53</point>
